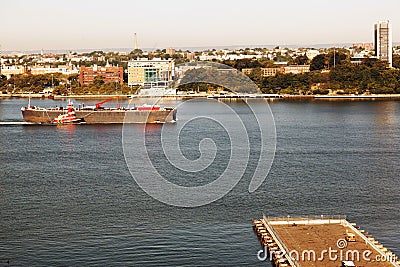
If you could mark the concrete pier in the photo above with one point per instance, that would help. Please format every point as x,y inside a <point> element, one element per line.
<point>329,241</point>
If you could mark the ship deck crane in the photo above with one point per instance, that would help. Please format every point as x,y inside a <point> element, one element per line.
<point>98,105</point>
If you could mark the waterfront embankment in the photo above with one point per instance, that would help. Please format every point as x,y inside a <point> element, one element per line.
<point>226,96</point>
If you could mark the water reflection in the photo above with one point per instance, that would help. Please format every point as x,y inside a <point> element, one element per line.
<point>386,113</point>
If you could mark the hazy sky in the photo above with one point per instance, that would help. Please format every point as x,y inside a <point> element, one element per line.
<point>76,24</point>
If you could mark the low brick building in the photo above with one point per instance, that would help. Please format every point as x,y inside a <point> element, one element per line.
<point>266,72</point>
<point>109,74</point>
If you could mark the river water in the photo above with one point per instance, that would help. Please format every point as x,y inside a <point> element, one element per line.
<point>68,197</point>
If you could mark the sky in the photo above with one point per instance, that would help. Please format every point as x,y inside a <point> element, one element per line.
<point>89,24</point>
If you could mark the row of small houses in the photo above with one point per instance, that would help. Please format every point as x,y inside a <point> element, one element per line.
<point>86,74</point>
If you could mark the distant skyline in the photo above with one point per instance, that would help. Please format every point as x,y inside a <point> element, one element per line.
<point>73,25</point>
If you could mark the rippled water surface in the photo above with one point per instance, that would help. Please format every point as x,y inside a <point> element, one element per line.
<point>67,197</point>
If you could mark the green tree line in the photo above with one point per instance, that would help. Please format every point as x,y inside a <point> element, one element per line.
<point>332,71</point>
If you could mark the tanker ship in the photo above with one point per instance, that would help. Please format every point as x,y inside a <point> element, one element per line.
<point>98,114</point>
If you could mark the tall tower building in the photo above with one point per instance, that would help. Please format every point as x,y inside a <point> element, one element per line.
<point>383,41</point>
<point>0,60</point>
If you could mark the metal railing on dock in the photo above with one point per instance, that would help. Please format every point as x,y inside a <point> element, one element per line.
<point>315,219</point>
<point>279,241</point>
<point>368,241</point>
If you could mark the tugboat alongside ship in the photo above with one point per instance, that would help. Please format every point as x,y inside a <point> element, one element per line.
<point>98,114</point>
<point>69,117</point>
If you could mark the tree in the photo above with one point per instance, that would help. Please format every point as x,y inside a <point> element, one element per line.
<point>336,58</point>
<point>318,62</point>
<point>300,60</point>
<point>375,63</point>
<point>396,61</point>
<point>96,53</point>
<point>256,76</point>
<point>73,77</point>
<point>60,90</point>
<point>282,58</point>
<point>98,80</point>
<point>246,63</point>
<point>3,81</point>
<point>266,63</point>
<point>135,53</point>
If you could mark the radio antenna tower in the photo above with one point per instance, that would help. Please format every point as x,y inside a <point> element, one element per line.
<point>135,41</point>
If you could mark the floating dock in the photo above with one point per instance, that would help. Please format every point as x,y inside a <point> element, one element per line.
<point>329,241</point>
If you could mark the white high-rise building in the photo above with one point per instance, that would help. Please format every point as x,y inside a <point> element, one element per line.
<point>150,72</point>
<point>154,76</point>
<point>383,41</point>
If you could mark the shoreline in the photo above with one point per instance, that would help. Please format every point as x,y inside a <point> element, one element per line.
<point>357,96</point>
<point>259,96</point>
